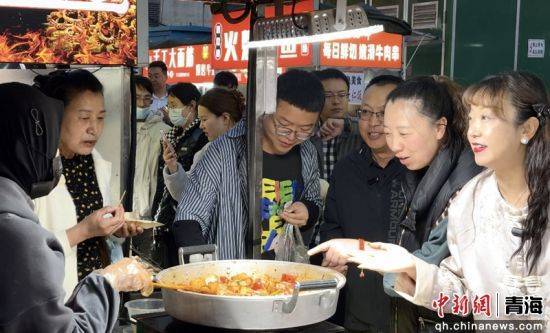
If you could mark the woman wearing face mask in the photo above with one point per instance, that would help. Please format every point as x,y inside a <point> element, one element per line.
<point>32,257</point>
<point>185,139</point>
<point>425,126</point>
<point>148,129</point>
<point>219,110</point>
<point>77,210</point>
<point>498,223</point>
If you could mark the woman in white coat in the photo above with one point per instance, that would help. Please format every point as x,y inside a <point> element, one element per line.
<point>78,210</point>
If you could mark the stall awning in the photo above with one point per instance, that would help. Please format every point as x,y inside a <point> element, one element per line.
<point>170,36</point>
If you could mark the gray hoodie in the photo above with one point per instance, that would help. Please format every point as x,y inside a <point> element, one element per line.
<point>32,271</point>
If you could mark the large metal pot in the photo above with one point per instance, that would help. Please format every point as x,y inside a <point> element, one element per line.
<point>311,302</point>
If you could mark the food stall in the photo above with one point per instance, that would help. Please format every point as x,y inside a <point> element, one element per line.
<point>104,34</point>
<point>207,310</point>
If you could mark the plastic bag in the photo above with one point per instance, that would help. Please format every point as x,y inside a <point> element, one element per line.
<point>290,246</point>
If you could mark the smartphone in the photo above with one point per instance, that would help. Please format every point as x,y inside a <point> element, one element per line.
<point>165,140</point>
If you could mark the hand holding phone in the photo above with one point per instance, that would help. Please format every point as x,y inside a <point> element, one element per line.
<point>169,153</point>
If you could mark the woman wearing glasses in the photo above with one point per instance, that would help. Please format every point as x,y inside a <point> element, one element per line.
<point>214,205</point>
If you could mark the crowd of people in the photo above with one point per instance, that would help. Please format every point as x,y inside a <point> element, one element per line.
<point>439,188</point>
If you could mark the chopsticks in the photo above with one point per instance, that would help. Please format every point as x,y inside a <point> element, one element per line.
<point>121,198</point>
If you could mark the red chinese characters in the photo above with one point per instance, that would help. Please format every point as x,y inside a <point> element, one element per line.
<point>229,41</point>
<point>482,305</point>
<point>461,305</point>
<point>381,50</point>
<point>440,303</point>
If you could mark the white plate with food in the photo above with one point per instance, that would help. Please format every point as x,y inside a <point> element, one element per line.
<point>145,224</point>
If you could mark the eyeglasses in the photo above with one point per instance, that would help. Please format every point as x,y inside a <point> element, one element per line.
<point>145,99</point>
<point>366,115</point>
<point>155,76</point>
<point>281,130</point>
<point>340,95</point>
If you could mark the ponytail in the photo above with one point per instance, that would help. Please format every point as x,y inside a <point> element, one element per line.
<point>439,98</point>
<point>219,101</point>
<point>537,168</point>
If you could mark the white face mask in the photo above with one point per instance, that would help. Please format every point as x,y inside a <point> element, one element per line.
<point>142,113</point>
<point>175,116</point>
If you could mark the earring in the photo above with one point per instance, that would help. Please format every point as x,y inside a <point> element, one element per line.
<point>524,141</point>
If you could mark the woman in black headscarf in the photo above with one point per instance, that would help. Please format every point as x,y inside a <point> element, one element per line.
<point>31,258</point>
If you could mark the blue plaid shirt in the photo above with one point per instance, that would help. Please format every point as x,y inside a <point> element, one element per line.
<point>216,195</point>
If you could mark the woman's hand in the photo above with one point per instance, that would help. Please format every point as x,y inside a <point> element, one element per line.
<point>103,222</point>
<point>129,274</point>
<point>379,257</point>
<point>129,229</point>
<point>169,156</point>
<point>385,258</point>
<point>296,214</point>
<point>336,251</point>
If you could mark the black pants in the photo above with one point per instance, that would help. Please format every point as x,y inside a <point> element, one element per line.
<point>410,318</point>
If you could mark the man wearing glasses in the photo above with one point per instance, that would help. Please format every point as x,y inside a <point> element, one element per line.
<point>363,202</point>
<point>333,147</point>
<point>214,206</point>
<point>149,126</point>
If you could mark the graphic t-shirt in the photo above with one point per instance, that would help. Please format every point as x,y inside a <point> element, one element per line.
<point>282,184</point>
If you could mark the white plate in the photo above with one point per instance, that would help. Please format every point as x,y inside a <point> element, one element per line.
<point>131,217</point>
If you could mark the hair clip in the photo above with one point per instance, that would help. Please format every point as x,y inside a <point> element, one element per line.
<point>542,110</point>
<point>37,127</point>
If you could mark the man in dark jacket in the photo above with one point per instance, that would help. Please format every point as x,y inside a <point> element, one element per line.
<point>358,206</point>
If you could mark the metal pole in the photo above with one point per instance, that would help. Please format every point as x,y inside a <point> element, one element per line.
<point>262,87</point>
<point>443,38</point>
<point>516,49</point>
<point>453,41</point>
<point>253,236</point>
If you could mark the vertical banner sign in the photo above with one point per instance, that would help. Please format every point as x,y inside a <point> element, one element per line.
<point>229,41</point>
<point>356,86</point>
<point>381,50</point>
<point>188,63</point>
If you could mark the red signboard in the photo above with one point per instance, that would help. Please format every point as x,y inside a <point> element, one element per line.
<point>189,63</point>
<point>381,50</point>
<point>229,39</point>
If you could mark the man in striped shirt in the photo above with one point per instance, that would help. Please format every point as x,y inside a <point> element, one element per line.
<point>214,204</point>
